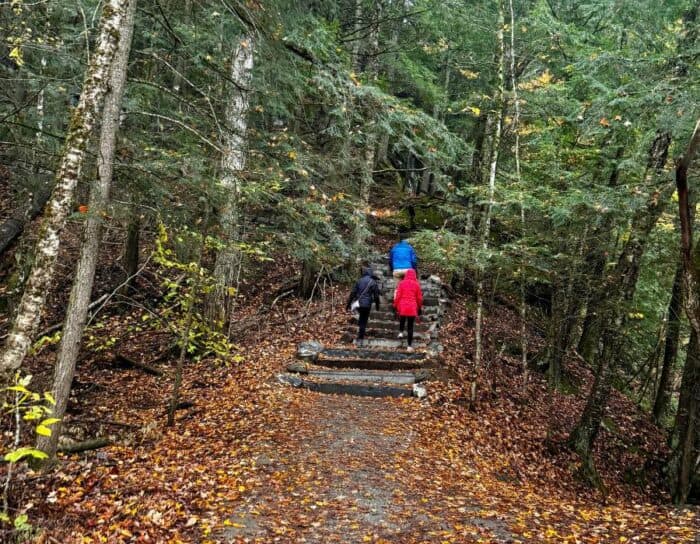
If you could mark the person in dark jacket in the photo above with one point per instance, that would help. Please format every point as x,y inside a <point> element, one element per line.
<point>366,292</point>
<point>402,257</point>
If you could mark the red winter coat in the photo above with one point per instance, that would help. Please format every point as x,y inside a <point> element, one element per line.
<point>409,297</point>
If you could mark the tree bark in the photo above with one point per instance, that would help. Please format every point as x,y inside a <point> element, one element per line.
<point>131,249</point>
<point>83,121</point>
<point>76,313</point>
<point>673,329</point>
<point>685,437</point>
<point>518,177</point>
<point>233,162</point>
<point>595,262</point>
<point>493,165</point>
<point>618,290</point>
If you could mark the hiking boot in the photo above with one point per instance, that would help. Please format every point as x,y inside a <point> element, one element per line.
<point>409,349</point>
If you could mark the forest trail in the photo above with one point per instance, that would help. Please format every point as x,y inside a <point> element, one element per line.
<point>360,483</point>
<point>257,461</point>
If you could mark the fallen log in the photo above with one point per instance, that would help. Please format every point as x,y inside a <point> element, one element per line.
<point>124,361</point>
<point>85,445</point>
<point>105,422</point>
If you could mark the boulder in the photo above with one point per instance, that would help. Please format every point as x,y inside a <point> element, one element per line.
<point>309,350</point>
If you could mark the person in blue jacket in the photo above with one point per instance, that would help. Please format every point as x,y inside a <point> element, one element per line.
<point>402,257</point>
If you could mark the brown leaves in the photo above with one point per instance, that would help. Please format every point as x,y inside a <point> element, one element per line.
<point>263,463</point>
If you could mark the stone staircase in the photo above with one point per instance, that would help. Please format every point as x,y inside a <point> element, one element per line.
<point>381,366</point>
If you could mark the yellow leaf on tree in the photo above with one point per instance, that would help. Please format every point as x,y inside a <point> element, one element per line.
<point>43,430</point>
<point>469,74</point>
<point>16,55</point>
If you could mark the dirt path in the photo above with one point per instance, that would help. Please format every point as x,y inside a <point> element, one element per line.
<point>344,474</point>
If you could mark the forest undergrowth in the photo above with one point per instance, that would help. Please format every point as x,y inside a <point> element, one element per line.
<point>497,470</point>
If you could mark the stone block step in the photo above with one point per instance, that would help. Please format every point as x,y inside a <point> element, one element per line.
<point>368,359</point>
<point>388,315</point>
<point>393,325</point>
<point>350,388</point>
<point>352,375</point>
<point>425,285</point>
<point>388,334</point>
<point>390,343</point>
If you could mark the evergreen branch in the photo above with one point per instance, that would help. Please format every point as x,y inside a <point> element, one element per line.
<point>180,124</point>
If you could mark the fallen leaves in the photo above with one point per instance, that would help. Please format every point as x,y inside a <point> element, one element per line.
<point>265,463</point>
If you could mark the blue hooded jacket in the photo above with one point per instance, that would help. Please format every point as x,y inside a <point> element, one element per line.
<point>402,257</point>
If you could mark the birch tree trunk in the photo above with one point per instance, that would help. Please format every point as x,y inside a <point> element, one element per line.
<point>370,149</point>
<point>518,177</point>
<point>233,162</point>
<point>493,165</point>
<point>82,123</point>
<point>76,313</point>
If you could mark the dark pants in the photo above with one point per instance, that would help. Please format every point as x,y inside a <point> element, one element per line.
<point>364,317</point>
<point>402,324</point>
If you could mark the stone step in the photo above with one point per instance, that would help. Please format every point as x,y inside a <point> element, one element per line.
<point>390,343</point>
<point>425,285</point>
<point>369,359</point>
<point>429,315</point>
<point>393,324</point>
<point>351,388</point>
<point>352,375</point>
<point>388,334</point>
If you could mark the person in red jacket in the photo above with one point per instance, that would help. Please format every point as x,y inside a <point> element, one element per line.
<point>408,302</point>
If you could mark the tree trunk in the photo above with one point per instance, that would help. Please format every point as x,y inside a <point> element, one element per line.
<point>684,438</point>
<point>518,177</point>
<point>370,149</point>
<point>673,329</point>
<point>79,301</point>
<point>83,121</point>
<point>493,165</point>
<point>131,249</point>
<point>233,162</point>
<point>595,262</point>
<point>616,293</point>
<point>685,432</point>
